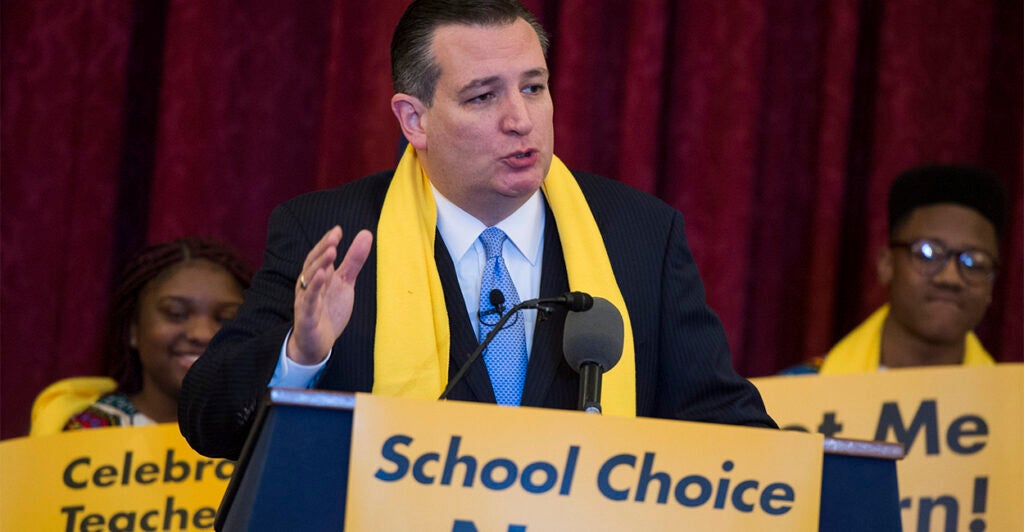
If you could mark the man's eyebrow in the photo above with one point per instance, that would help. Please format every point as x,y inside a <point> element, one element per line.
<point>494,80</point>
<point>536,73</point>
<point>479,82</point>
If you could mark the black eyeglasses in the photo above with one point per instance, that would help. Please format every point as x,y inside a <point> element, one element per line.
<point>930,256</point>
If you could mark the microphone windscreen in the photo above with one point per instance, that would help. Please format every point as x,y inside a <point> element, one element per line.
<point>595,335</point>
<point>497,298</point>
<point>578,301</point>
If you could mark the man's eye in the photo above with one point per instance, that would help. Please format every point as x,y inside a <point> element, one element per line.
<point>482,98</point>
<point>975,262</point>
<point>928,251</point>
<point>534,89</point>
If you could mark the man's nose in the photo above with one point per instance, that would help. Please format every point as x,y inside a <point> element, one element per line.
<point>949,274</point>
<point>516,115</point>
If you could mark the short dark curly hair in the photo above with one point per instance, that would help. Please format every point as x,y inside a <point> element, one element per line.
<point>961,184</point>
<point>120,358</point>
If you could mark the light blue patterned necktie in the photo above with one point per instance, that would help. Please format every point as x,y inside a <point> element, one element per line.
<point>506,355</point>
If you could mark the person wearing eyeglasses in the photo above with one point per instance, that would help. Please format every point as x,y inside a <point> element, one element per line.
<point>939,268</point>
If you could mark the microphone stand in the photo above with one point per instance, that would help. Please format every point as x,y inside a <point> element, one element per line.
<point>543,309</point>
<point>590,388</point>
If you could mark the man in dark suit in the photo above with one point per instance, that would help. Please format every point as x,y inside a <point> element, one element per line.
<point>396,302</point>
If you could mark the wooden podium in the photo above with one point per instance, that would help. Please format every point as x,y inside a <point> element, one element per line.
<point>293,471</point>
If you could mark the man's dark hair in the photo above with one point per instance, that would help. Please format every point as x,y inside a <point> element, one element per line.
<point>414,70</point>
<point>969,186</point>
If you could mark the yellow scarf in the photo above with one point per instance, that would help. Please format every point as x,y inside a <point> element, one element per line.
<point>55,405</point>
<point>411,352</point>
<point>860,351</point>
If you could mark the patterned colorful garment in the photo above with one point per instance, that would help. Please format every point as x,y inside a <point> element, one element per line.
<point>111,410</point>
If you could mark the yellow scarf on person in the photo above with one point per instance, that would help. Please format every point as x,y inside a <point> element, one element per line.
<point>55,405</point>
<point>411,351</point>
<point>861,350</point>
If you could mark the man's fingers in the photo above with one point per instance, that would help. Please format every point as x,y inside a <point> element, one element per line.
<point>321,257</point>
<point>306,299</point>
<point>355,257</point>
<point>319,268</point>
<point>328,244</point>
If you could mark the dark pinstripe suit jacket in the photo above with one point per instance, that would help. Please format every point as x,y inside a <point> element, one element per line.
<point>683,366</point>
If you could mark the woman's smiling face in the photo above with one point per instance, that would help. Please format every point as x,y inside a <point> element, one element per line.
<point>178,314</point>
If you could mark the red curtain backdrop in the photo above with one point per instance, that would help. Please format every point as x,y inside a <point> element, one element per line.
<point>775,126</point>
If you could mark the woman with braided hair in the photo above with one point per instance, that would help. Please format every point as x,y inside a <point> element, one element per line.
<point>172,299</point>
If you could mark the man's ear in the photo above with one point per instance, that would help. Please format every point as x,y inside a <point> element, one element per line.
<point>885,266</point>
<point>409,111</point>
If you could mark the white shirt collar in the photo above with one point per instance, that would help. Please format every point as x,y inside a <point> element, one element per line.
<point>460,230</point>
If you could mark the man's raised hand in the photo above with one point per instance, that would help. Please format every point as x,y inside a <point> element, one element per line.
<point>324,295</point>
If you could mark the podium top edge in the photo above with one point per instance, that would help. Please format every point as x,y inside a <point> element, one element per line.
<point>869,449</point>
<point>347,401</point>
<point>314,398</point>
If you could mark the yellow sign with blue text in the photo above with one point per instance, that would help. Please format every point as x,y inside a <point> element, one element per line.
<point>115,479</point>
<point>464,466</point>
<point>962,429</point>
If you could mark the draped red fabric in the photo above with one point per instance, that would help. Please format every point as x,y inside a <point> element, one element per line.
<point>774,126</point>
<point>62,105</point>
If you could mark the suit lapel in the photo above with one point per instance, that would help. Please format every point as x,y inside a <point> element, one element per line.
<point>546,353</point>
<point>476,385</point>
